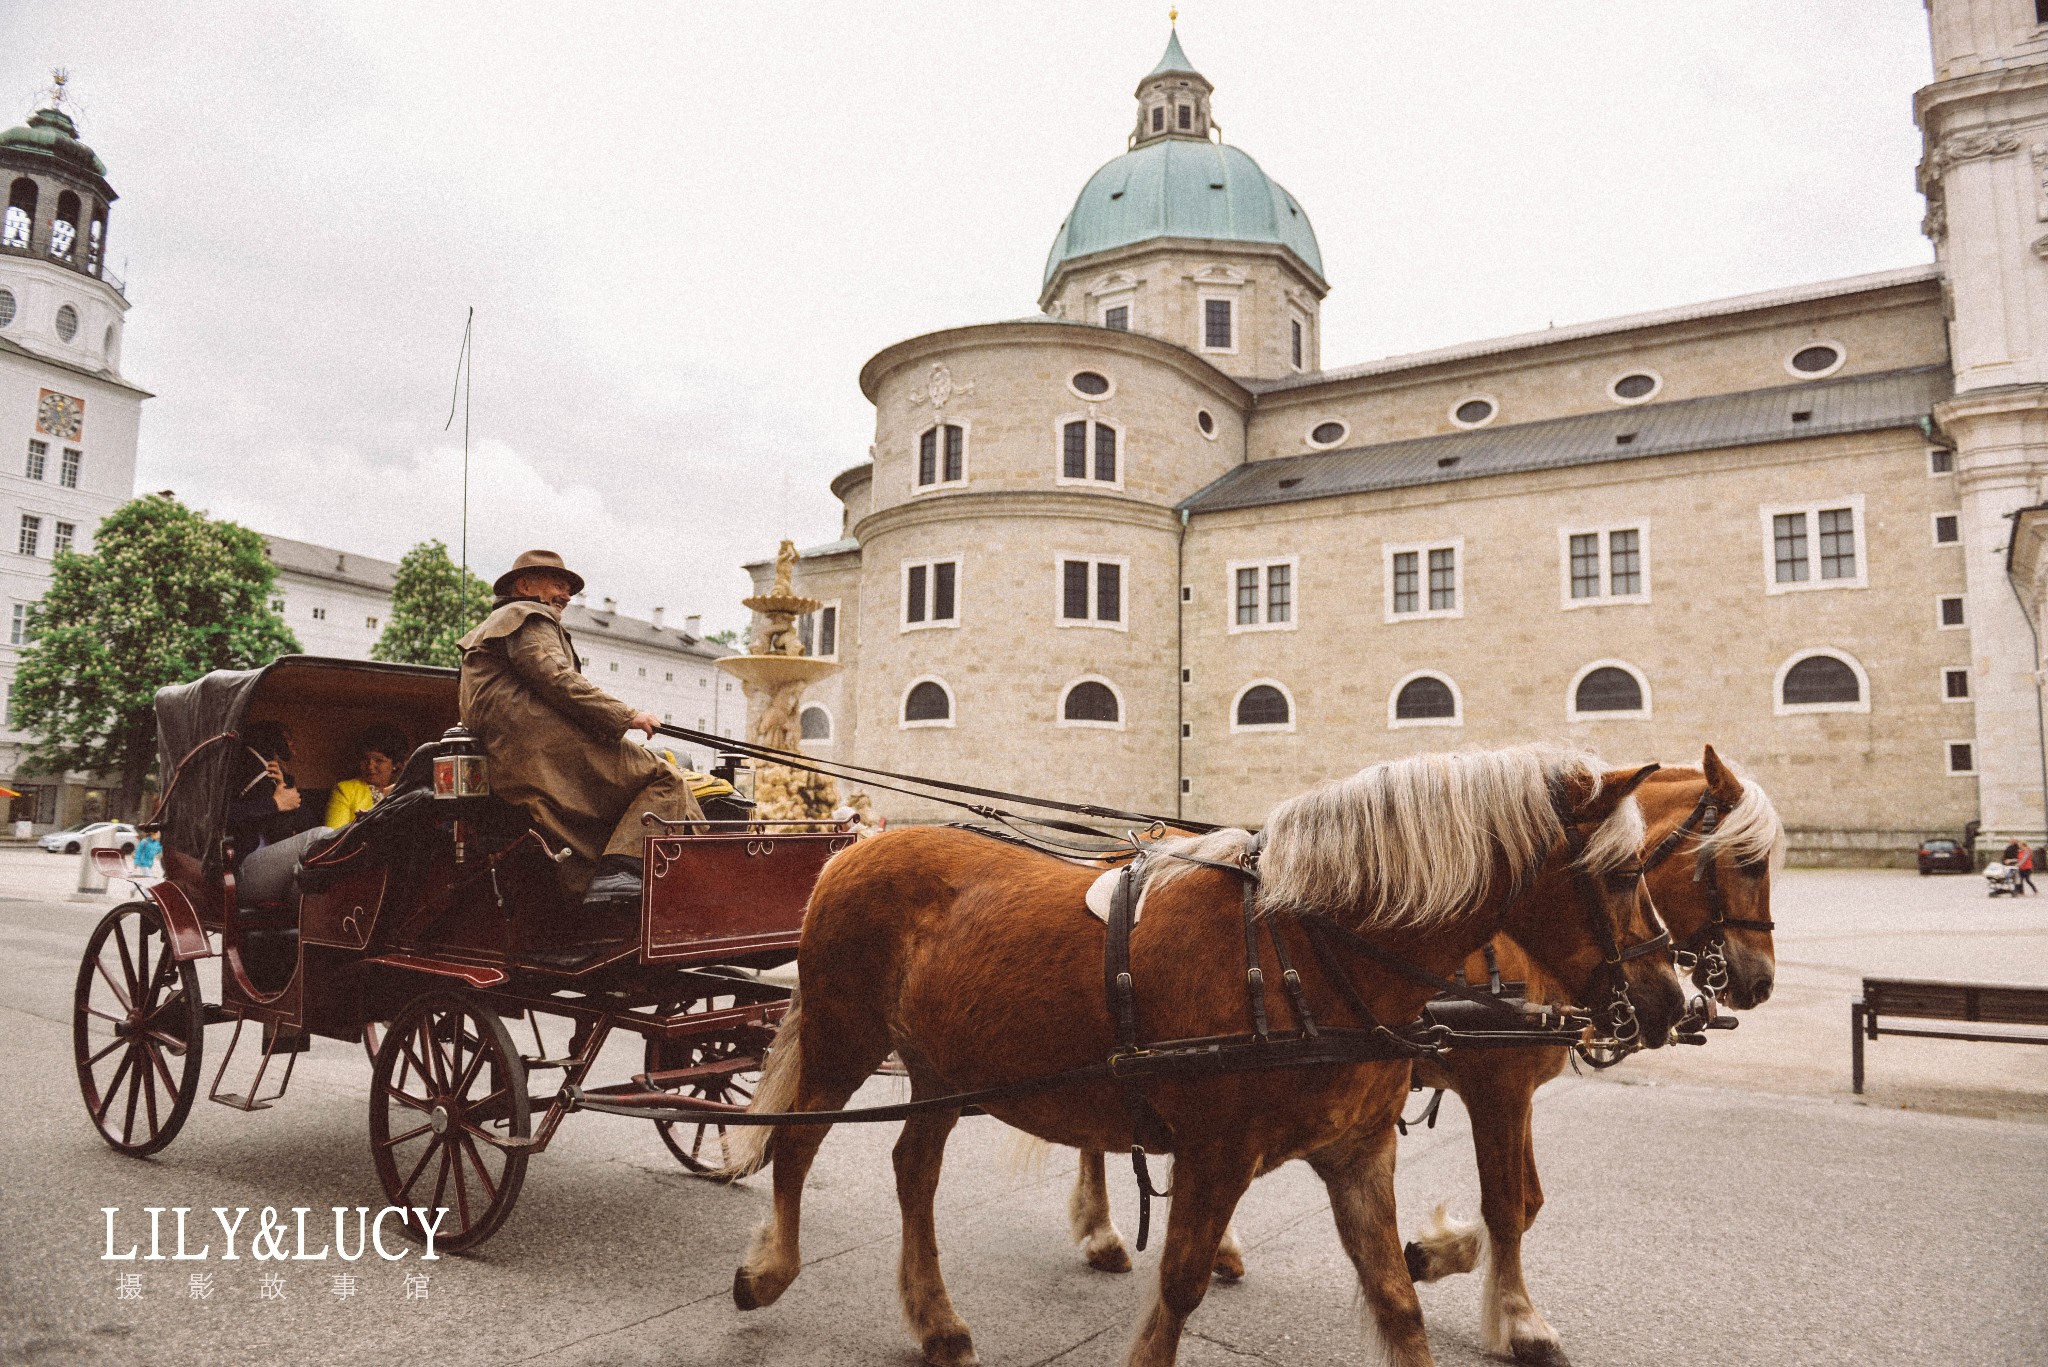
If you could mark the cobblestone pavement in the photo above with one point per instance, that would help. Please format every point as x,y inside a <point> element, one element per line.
<point>1727,1205</point>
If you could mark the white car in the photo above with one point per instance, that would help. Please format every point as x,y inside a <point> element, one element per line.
<point>73,840</point>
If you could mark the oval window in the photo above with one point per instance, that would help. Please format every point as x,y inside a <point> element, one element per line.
<point>1090,701</point>
<point>1815,360</point>
<point>6,307</point>
<point>1472,412</point>
<point>1423,698</point>
<point>927,702</point>
<point>1821,678</point>
<point>1328,433</point>
<point>1608,689</point>
<point>1636,386</point>
<point>1089,382</point>
<point>67,322</point>
<point>1264,705</point>
<point>1203,419</point>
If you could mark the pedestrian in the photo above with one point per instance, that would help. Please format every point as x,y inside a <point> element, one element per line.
<point>2027,870</point>
<point>146,851</point>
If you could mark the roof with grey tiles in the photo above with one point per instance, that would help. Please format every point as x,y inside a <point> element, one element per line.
<point>1859,403</point>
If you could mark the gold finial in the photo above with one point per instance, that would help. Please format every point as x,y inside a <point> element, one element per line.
<point>1173,15</point>
<point>59,78</point>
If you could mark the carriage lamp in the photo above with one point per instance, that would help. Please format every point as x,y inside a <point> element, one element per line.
<point>460,769</point>
<point>733,769</point>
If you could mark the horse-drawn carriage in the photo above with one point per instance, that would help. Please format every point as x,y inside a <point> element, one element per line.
<point>424,931</point>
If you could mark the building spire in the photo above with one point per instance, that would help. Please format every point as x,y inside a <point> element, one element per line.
<point>1173,98</point>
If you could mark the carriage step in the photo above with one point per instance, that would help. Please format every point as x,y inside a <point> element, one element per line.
<point>533,1063</point>
<point>526,1143</point>
<point>239,1102</point>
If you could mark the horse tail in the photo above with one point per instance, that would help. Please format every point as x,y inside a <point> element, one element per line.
<point>752,1148</point>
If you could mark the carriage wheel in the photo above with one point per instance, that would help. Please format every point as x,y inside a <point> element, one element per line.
<point>138,1028</point>
<point>447,1090</point>
<point>700,1145</point>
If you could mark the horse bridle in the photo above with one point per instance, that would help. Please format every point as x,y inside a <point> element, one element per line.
<point>1704,954</point>
<point>1623,1032</point>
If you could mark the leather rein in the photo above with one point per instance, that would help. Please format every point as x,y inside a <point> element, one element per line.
<point>1704,952</point>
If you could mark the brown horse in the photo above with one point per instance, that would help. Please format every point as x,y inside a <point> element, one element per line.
<point>1691,864</point>
<point>976,963</point>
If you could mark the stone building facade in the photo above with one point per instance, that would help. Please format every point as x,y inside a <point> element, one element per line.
<point>1144,549</point>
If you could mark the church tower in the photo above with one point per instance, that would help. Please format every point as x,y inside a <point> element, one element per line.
<point>1984,124</point>
<point>1184,238</point>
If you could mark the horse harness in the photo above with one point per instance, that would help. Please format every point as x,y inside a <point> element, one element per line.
<point>1705,952</point>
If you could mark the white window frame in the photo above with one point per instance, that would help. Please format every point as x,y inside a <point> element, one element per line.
<point>1781,708</point>
<point>839,616</point>
<point>1606,597</point>
<point>1841,359</point>
<point>1457,717</point>
<point>1454,544</point>
<point>1948,757</point>
<point>903,622</point>
<point>1493,411</point>
<point>1088,481</point>
<point>1104,397</point>
<point>1215,428</point>
<point>1308,436</point>
<point>1060,560</point>
<point>1934,528</point>
<point>1298,320</point>
<point>831,724</point>
<point>1202,298</point>
<point>903,701</point>
<point>1969,684</point>
<point>1811,511</point>
<point>1230,569</point>
<point>1656,387</point>
<point>1127,301</point>
<point>966,455</point>
<point>1571,693</point>
<point>1940,625</point>
<point>1293,710</point>
<point>1933,473</point>
<point>1059,715</point>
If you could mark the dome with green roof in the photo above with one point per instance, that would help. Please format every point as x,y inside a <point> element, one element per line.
<point>1177,183</point>
<point>49,134</point>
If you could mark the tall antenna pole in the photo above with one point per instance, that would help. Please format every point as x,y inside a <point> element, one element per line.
<point>462,377</point>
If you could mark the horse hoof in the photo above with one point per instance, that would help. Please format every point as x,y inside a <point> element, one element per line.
<point>743,1291</point>
<point>1417,1259</point>
<point>1112,1258</point>
<point>1539,1352</point>
<point>1230,1265</point>
<point>950,1350</point>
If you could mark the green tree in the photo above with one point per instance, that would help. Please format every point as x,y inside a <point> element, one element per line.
<point>729,638</point>
<point>433,605</point>
<point>166,595</point>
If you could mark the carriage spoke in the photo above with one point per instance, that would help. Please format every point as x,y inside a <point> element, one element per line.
<point>421,1104</point>
<point>163,1069</point>
<point>149,1087</point>
<point>118,1042</point>
<point>441,1177</point>
<point>127,960</point>
<point>483,1173</point>
<point>95,1011</point>
<point>134,1090</point>
<point>405,1189</point>
<point>476,1063</point>
<point>461,1188</point>
<point>142,978</point>
<point>413,1133</point>
<point>120,993</point>
<point>113,1087</point>
<point>414,1065</point>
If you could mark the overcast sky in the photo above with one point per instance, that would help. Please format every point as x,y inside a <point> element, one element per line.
<point>685,227</point>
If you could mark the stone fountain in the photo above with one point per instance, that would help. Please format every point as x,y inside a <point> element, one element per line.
<point>775,672</point>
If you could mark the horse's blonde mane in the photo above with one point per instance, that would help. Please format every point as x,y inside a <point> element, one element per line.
<point>1412,842</point>
<point>1752,829</point>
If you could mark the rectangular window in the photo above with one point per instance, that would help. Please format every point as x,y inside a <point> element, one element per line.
<point>1158,118</point>
<point>1091,592</point>
<point>928,458</point>
<point>1425,580</point>
<point>1962,757</point>
<point>1815,547</point>
<point>370,623</point>
<point>1262,594</point>
<point>1948,530</point>
<point>1216,320</point>
<point>931,593</point>
<point>31,534</point>
<point>1951,611</point>
<point>67,472</point>
<point>915,596</point>
<point>1295,327</point>
<point>1407,579</point>
<point>319,614</point>
<point>61,542</point>
<point>1955,684</point>
<point>1087,453</point>
<point>1187,115</point>
<point>18,635</point>
<point>956,463</point>
<point>1105,453</point>
<point>1940,461</point>
<point>1625,563</point>
<point>1109,592</point>
<point>1075,460</point>
<point>828,630</point>
<point>1118,319</point>
<point>1585,567</point>
<point>945,576</point>
<point>941,455</point>
<point>38,455</point>
<point>1074,590</point>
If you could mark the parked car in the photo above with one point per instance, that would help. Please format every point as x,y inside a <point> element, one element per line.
<point>1942,855</point>
<point>73,840</point>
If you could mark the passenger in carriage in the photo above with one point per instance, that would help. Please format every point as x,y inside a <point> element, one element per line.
<point>380,753</point>
<point>557,743</point>
<point>267,821</point>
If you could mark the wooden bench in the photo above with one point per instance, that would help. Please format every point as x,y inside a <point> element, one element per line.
<point>1969,1003</point>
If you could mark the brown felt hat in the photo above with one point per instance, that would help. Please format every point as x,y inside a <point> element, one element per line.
<point>537,560</point>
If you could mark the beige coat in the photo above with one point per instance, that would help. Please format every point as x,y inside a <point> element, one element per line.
<point>557,742</point>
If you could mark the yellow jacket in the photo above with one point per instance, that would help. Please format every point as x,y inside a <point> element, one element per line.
<point>352,797</point>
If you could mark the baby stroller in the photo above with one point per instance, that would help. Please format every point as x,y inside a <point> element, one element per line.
<point>2004,879</point>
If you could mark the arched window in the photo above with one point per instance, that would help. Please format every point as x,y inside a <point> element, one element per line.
<point>815,723</point>
<point>1091,702</point>
<point>1822,681</point>
<point>1262,706</point>
<point>96,240</point>
<point>1608,689</point>
<point>64,227</point>
<point>21,214</point>
<point>1424,699</point>
<point>927,703</point>
<point>941,455</point>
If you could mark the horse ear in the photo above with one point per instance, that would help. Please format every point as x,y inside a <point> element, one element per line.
<point>1634,781</point>
<point>1613,794</point>
<point>1721,781</point>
